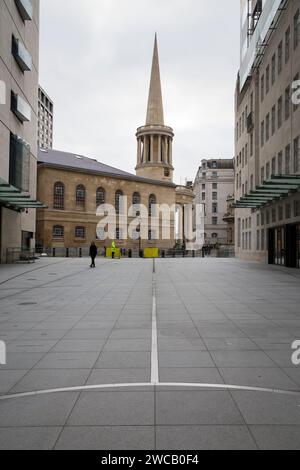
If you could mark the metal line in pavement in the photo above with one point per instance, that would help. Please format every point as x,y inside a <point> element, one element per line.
<point>88,388</point>
<point>154,347</point>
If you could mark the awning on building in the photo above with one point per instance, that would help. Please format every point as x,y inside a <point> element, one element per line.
<point>14,199</point>
<point>272,190</point>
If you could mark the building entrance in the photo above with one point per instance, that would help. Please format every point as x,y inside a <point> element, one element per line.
<point>284,246</point>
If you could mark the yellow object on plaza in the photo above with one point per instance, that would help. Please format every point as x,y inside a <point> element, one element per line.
<point>109,253</point>
<point>151,253</point>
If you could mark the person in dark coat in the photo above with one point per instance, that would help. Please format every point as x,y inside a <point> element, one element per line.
<point>93,254</point>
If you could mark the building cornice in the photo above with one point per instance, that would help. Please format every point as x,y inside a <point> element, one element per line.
<point>136,179</point>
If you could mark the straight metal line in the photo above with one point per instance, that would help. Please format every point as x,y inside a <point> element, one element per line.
<point>87,388</point>
<point>154,346</point>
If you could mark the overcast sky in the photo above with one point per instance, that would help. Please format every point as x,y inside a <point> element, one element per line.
<point>95,63</point>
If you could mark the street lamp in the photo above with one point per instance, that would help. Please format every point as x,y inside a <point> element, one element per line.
<point>139,230</point>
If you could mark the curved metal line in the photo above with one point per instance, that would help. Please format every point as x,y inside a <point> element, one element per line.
<point>86,388</point>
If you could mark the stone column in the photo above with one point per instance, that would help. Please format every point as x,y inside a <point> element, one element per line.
<point>139,151</point>
<point>152,149</point>
<point>180,221</point>
<point>166,150</point>
<point>170,152</point>
<point>159,149</point>
<point>145,149</point>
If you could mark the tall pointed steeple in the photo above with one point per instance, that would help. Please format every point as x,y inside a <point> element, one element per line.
<point>154,150</point>
<point>155,113</point>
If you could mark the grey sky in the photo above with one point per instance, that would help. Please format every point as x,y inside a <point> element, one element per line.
<point>95,59</point>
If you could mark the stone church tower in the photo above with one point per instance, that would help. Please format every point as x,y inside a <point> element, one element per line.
<point>154,156</point>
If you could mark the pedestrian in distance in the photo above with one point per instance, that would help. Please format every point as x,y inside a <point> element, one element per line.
<point>113,249</point>
<point>93,254</point>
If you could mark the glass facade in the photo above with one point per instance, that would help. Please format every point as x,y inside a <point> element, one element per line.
<point>19,162</point>
<point>21,55</point>
<point>254,33</point>
<point>298,246</point>
<point>20,107</point>
<point>279,252</point>
<point>25,9</point>
<point>284,246</point>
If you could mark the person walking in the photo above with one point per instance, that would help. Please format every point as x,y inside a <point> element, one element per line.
<point>113,249</point>
<point>93,254</point>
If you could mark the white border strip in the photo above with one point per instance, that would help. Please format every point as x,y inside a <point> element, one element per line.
<point>88,388</point>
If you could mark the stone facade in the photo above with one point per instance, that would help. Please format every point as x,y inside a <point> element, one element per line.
<point>213,184</point>
<point>267,140</point>
<point>229,219</point>
<point>19,31</point>
<point>73,216</point>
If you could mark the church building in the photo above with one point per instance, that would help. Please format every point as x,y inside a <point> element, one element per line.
<point>74,186</point>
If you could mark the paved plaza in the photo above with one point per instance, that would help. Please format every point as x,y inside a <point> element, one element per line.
<point>194,354</point>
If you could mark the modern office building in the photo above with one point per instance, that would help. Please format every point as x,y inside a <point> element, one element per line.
<point>214,183</point>
<point>19,49</point>
<point>267,137</point>
<point>45,120</point>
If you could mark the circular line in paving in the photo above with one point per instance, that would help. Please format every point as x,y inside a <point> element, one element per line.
<point>88,388</point>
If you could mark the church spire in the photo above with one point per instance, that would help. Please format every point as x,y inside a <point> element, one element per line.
<point>155,113</point>
<point>155,139</point>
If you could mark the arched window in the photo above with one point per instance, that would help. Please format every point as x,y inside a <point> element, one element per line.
<point>118,201</point>
<point>100,197</point>
<point>136,199</point>
<point>80,232</point>
<point>214,235</point>
<point>152,235</point>
<point>58,231</point>
<point>100,234</point>
<point>136,204</point>
<point>152,205</point>
<point>80,196</point>
<point>59,196</point>
<point>119,233</point>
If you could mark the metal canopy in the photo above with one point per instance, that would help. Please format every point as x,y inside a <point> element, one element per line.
<point>14,199</point>
<point>277,187</point>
